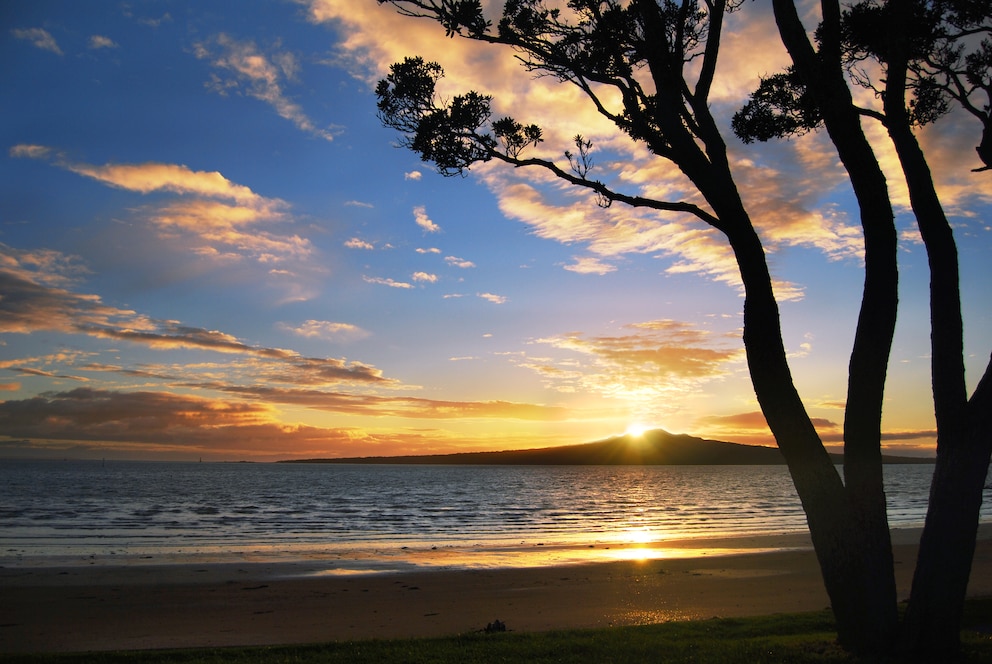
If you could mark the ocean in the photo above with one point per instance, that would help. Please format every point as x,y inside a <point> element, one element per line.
<point>134,510</point>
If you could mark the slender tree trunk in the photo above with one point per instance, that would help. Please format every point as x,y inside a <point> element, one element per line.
<point>868,526</point>
<point>940,582</point>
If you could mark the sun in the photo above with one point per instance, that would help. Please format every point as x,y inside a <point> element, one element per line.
<point>636,429</point>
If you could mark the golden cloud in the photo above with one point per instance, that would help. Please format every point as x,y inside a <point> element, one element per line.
<point>179,179</point>
<point>649,363</point>
<point>218,219</point>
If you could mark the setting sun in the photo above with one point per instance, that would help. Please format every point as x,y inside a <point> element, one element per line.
<point>636,429</point>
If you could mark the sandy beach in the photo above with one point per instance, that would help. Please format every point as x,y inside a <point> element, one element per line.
<point>103,606</point>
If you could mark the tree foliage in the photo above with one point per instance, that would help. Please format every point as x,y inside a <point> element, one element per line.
<point>947,51</point>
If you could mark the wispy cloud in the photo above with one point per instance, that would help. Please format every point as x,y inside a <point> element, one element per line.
<point>99,41</point>
<point>217,218</point>
<point>420,216</point>
<point>39,37</point>
<point>413,175</point>
<point>455,261</point>
<point>258,75</point>
<point>327,330</point>
<point>589,265</point>
<point>386,282</point>
<point>358,243</point>
<point>428,250</point>
<point>492,297</point>
<point>33,302</point>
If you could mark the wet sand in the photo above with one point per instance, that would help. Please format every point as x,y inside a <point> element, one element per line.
<point>100,606</point>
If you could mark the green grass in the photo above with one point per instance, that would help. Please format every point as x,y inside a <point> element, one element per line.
<point>806,637</point>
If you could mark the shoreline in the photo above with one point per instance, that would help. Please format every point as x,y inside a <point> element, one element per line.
<point>253,602</point>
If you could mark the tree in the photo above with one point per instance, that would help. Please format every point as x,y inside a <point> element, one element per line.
<point>659,58</point>
<point>929,55</point>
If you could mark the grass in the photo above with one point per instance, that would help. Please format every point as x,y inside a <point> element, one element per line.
<point>799,638</point>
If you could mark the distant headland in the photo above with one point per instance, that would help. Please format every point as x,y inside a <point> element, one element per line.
<point>652,448</point>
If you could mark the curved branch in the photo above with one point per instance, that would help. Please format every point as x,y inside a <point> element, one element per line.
<point>610,195</point>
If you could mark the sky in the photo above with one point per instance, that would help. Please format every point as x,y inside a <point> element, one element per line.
<point>211,248</point>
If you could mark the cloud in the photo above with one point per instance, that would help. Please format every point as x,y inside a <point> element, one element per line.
<point>420,216</point>
<point>492,297</point>
<point>39,37</point>
<point>429,250</point>
<point>259,76</point>
<point>176,178</point>
<point>400,406</point>
<point>357,243</point>
<point>138,423</point>
<point>751,427</point>
<point>322,329</point>
<point>454,261</point>
<point>360,204</point>
<point>99,41</point>
<point>386,282</point>
<point>413,175</point>
<point>10,387</point>
<point>34,297</point>
<point>33,301</point>
<point>30,151</point>
<point>647,364</point>
<point>589,265</point>
<point>425,277</point>
<point>215,218</point>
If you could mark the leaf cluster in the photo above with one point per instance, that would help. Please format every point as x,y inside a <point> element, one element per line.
<point>938,43</point>
<point>447,135</point>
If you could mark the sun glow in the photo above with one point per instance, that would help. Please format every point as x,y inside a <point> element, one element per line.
<point>636,429</point>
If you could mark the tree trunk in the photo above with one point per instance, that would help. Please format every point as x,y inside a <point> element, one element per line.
<point>940,581</point>
<point>868,523</point>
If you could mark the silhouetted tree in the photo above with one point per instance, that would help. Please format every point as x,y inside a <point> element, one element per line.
<point>928,54</point>
<point>660,58</point>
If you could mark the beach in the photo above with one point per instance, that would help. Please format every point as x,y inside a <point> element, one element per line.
<point>104,605</point>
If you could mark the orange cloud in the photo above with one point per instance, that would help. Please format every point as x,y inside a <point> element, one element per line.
<point>653,363</point>
<point>149,177</point>
<point>138,423</point>
<point>216,219</point>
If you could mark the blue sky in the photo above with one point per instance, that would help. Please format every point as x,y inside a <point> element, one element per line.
<point>210,247</point>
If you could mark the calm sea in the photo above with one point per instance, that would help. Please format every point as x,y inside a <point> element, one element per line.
<point>91,508</point>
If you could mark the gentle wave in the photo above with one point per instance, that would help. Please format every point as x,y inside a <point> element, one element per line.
<point>92,508</point>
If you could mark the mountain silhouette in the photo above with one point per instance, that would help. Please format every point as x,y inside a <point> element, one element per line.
<point>652,448</point>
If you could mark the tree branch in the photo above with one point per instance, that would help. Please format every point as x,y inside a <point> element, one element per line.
<point>609,194</point>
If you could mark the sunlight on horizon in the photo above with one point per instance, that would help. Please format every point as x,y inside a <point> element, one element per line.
<point>636,429</point>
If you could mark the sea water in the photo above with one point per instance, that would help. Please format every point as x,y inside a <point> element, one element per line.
<point>94,508</point>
